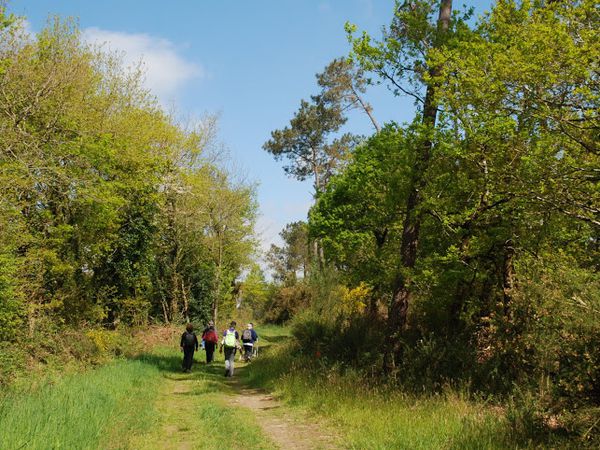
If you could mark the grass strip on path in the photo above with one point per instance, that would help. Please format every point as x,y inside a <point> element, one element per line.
<point>193,412</point>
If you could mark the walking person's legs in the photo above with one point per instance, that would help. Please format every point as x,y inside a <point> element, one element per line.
<point>188,357</point>
<point>229,358</point>
<point>210,351</point>
<point>247,352</point>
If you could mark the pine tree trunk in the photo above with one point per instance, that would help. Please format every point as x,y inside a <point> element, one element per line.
<point>402,295</point>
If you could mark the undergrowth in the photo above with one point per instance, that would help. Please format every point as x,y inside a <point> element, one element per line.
<point>374,415</point>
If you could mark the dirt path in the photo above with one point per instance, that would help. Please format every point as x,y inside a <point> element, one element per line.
<point>205,410</point>
<point>287,430</point>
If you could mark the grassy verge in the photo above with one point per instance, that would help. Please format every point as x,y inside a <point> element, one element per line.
<point>81,411</point>
<point>49,354</point>
<point>378,417</point>
<point>140,403</point>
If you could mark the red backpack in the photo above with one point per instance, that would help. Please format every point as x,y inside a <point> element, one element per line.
<point>211,336</point>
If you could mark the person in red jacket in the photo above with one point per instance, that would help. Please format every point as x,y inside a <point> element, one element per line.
<point>210,338</point>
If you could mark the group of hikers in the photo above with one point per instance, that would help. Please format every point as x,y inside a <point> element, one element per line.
<point>230,343</point>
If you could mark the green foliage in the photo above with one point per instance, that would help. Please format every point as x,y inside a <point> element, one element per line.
<point>11,306</point>
<point>291,261</point>
<point>255,291</point>
<point>358,217</point>
<point>313,143</point>
<point>109,212</point>
<point>500,256</point>
<point>547,344</point>
<point>285,301</point>
<point>374,415</point>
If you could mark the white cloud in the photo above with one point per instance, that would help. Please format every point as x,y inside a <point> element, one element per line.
<point>166,71</point>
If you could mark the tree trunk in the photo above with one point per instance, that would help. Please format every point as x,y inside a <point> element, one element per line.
<point>214,313</point>
<point>186,305</point>
<point>367,109</point>
<point>217,294</point>
<point>163,301</point>
<point>508,275</point>
<point>174,305</point>
<point>402,295</point>
<point>164,309</point>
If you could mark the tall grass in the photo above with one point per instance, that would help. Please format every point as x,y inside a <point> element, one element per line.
<point>377,416</point>
<point>142,403</point>
<point>81,411</point>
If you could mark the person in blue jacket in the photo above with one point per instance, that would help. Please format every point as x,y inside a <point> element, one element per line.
<point>249,339</point>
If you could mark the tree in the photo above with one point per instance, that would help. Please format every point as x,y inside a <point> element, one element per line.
<point>108,207</point>
<point>255,290</point>
<point>292,260</point>
<point>342,84</point>
<point>402,59</point>
<point>305,143</point>
<point>230,213</point>
<point>358,217</point>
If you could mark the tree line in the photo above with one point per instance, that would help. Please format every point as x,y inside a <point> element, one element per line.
<point>111,210</point>
<point>465,244</point>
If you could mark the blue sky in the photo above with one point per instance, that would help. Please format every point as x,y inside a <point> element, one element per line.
<point>250,62</point>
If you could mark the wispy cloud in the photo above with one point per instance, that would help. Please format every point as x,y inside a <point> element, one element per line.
<point>273,218</point>
<point>324,7</point>
<point>166,70</point>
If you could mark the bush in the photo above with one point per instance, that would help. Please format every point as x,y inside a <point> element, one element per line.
<point>52,349</point>
<point>358,343</point>
<point>285,302</point>
<point>11,308</point>
<point>547,348</point>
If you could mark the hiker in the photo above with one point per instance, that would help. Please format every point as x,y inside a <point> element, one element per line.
<point>230,342</point>
<point>189,343</point>
<point>249,338</point>
<point>210,338</point>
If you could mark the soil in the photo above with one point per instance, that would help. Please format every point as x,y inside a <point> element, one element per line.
<point>289,431</point>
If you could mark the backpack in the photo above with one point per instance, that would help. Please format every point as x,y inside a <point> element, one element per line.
<point>189,339</point>
<point>230,338</point>
<point>211,336</point>
<point>247,335</point>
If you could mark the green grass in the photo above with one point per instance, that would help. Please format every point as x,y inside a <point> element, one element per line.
<point>130,404</point>
<point>198,414</point>
<point>82,411</point>
<point>370,417</point>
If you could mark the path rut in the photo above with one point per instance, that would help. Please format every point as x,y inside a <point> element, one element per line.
<point>288,430</point>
